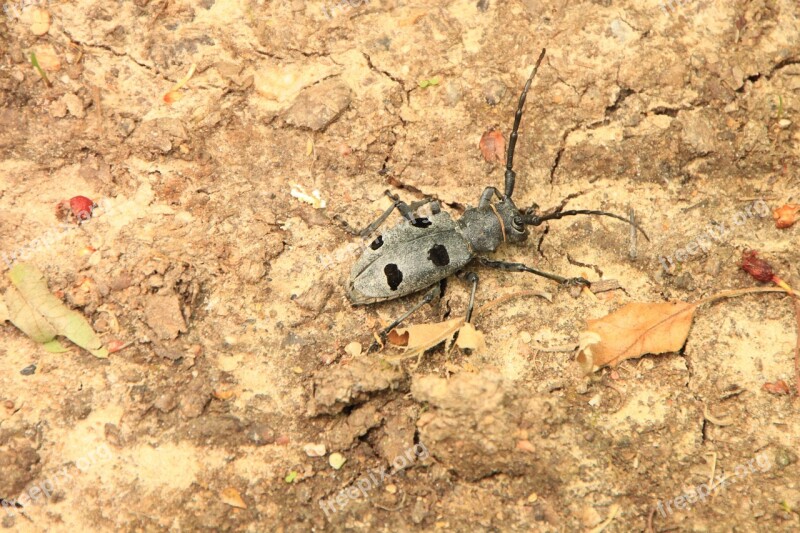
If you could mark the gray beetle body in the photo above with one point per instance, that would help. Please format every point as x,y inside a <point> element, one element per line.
<point>413,256</point>
<point>420,252</point>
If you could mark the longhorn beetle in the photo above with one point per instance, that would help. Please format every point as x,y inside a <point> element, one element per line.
<point>420,252</point>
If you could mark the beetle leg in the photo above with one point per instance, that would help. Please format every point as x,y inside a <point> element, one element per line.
<point>519,267</point>
<point>428,298</point>
<point>406,210</point>
<point>486,196</point>
<point>472,277</point>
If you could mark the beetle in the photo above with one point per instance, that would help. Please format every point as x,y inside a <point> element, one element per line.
<point>422,251</point>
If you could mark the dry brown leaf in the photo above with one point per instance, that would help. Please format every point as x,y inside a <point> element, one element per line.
<point>421,337</point>
<point>633,330</point>
<point>778,387</point>
<point>493,146</point>
<point>232,497</point>
<point>47,57</point>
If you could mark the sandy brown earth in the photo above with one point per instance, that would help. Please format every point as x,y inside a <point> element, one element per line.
<point>233,395</point>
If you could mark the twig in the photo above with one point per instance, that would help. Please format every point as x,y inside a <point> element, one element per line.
<point>632,248</point>
<point>714,420</point>
<point>713,468</point>
<point>612,513</point>
<point>650,521</point>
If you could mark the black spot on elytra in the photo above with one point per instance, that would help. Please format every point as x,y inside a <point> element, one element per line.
<point>393,276</point>
<point>438,255</point>
<point>422,222</point>
<point>377,243</point>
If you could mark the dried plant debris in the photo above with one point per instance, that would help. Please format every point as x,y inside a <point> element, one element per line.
<point>641,328</point>
<point>786,215</point>
<point>42,317</point>
<point>634,330</point>
<point>418,338</point>
<point>493,146</point>
<point>760,270</point>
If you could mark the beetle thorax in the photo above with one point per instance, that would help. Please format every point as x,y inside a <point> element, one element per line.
<point>486,228</point>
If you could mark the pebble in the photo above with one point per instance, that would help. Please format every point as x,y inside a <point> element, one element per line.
<point>40,21</point>
<point>337,460</point>
<point>493,91</point>
<point>28,370</point>
<point>315,450</point>
<point>353,349</point>
<point>525,337</point>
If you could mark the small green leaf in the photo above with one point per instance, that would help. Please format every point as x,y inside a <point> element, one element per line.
<point>55,347</point>
<point>290,477</point>
<point>428,83</point>
<point>35,63</point>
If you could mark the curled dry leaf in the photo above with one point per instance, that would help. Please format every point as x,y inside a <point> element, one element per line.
<point>232,497</point>
<point>786,215</point>
<point>420,337</point>
<point>493,146</point>
<point>471,339</point>
<point>47,57</point>
<point>633,330</point>
<point>777,387</point>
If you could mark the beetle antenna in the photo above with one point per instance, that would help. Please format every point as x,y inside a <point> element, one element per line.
<point>535,220</point>
<point>512,141</point>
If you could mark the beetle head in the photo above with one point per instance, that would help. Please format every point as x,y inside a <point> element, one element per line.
<point>513,220</point>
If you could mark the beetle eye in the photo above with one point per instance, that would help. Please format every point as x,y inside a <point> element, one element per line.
<point>517,221</point>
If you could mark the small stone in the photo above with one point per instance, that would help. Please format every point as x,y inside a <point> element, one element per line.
<point>261,434</point>
<point>685,282</point>
<point>163,314</point>
<point>74,105</point>
<point>493,91</point>
<point>595,401</point>
<point>337,460</point>
<point>391,488</point>
<point>353,349</point>
<point>39,20</point>
<point>784,457</point>
<point>784,123</point>
<point>525,337</point>
<point>319,106</point>
<point>314,450</point>
<point>533,497</point>
<point>28,370</point>
<point>58,109</point>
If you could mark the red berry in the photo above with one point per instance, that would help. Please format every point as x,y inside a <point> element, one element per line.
<point>81,207</point>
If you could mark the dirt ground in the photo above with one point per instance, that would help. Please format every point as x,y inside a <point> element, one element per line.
<point>234,402</point>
